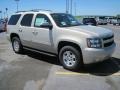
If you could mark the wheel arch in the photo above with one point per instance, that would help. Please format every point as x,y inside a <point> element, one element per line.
<point>13,35</point>
<point>65,43</point>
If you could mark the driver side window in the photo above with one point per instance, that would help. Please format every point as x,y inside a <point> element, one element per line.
<point>41,19</point>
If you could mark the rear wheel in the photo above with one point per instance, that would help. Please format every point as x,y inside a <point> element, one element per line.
<point>16,44</point>
<point>70,58</point>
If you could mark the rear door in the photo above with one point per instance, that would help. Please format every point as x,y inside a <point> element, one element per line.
<point>25,30</point>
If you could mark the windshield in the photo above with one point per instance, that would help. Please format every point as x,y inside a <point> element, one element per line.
<point>65,20</point>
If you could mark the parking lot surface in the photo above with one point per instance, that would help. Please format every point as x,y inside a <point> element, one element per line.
<point>33,71</point>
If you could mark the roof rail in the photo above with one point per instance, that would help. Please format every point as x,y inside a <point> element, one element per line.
<point>34,10</point>
<point>40,10</point>
<point>20,11</point>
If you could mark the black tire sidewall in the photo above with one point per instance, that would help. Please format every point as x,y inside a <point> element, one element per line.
<point>20,45</point>
<point>78,55</point>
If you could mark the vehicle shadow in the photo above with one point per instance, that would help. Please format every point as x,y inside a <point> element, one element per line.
<point>105,68</point>
<point>42,57</point>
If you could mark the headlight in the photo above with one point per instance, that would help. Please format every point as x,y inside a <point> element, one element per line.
<point>94,42</point>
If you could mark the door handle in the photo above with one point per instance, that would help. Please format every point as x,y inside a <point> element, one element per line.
<point>35,33</point>
<point>20,30</point>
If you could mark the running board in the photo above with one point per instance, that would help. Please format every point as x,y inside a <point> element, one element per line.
<point>41,52</point>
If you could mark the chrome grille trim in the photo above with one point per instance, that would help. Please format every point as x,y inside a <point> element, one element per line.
<point>108,41</point>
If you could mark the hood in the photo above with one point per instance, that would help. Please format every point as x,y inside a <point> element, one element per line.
<point>93,30</point>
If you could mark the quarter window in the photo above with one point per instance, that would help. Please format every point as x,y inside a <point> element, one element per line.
<point>14,19</point>
<point>41,19</point>
<point>27,20</point>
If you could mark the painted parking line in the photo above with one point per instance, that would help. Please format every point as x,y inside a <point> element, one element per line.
<point>116,74</point>
<point>84,74</point>
<point>70,73</point>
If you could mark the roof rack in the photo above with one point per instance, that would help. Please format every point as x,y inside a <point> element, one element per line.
<point>35,10</point>
<point>20,11</point>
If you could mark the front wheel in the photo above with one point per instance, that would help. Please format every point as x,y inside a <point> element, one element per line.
<point>16,44</point>
<point>70,58</point>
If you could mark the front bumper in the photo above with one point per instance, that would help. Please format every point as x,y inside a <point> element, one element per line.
<point>92,55</point>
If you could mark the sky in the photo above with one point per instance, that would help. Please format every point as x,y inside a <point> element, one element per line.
<point>83,7</point>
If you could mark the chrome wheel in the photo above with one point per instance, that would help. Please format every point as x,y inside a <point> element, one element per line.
<point>16,45</point>
<point>69,58</point>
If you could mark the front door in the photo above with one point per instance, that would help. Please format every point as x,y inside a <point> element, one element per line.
<point>43,38</point>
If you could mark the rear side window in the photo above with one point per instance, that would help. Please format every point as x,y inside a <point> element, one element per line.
<point>14,19</point>
<point>27,20</point>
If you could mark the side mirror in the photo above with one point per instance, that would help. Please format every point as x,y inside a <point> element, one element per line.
<point>47,25</point>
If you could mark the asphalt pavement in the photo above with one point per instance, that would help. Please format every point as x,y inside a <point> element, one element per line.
<point>33,71</point>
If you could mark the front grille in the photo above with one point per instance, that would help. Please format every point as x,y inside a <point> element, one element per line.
<point>106,38</point>
<point>108,41</point>
<point>108,44</point>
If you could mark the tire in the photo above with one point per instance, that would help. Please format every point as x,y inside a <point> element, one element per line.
<point>16,45</point>
<point>70,58</point>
